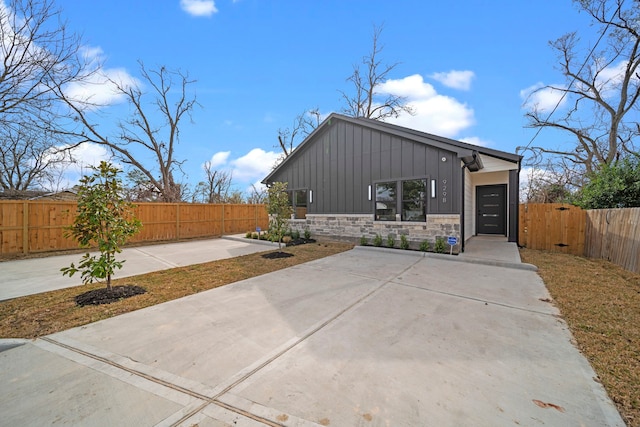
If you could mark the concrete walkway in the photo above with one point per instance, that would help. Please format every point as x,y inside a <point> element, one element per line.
<point>364,338</point>
<point>36,275</point>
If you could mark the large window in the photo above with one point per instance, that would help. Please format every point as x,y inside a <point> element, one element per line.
<point>386,201</point>
<point>414,195</point>
<point>411,204</point>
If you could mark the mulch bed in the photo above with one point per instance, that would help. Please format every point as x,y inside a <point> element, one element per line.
<point>300,241</point>
<point>276,255</point>
<point>279,254</point>
<point>107,296</point>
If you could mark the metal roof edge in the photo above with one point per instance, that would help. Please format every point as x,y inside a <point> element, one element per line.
<point>464,148</point>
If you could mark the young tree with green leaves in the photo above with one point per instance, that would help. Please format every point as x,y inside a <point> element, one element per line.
<point>279,209</point>
<point>103,219</point>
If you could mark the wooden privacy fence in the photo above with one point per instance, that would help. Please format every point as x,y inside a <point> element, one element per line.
<point>38,226</point>
<point>614,235</point>
<point>611,234</point>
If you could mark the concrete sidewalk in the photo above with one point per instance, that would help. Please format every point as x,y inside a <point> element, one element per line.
<point>365,337</point>
<point>36,275</point>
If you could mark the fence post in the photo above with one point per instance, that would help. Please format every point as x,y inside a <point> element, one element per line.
<point>177,221</point>
<point>222,206</point>
<point>25,227</point>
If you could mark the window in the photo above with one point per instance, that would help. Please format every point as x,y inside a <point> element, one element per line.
<point>298,200</point>
<point>386,201</point>
<point>411,204</point>
<point>414,194</point>
<point>301,198</point>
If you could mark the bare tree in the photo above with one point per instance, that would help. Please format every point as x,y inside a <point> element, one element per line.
<point>548,184</point>
<point>215,189</point>
<point>139,134</point>
<point>602,90</point>
<point>235,198</point>
<point>304,123</point>
<point>257,195</point>
<point>29,157</point>
<point>39,56</point>
<point>366,100</point>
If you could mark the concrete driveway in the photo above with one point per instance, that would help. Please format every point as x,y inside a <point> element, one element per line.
<point>36,275</point>
<point>363,338</point>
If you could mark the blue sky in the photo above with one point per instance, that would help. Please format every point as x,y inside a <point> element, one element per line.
<point>464,65</point>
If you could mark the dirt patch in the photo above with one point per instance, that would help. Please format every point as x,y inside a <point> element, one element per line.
<point>108,296</point>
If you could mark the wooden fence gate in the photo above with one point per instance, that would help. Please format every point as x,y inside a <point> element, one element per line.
<point>554,227</point>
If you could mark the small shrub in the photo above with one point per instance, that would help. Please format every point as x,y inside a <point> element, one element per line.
<point>254,235</point>
<point>286,239</point>
<point>424,246</point>
<point>248,235</point>
<point>307,234</point>
<point>295,235</point>
<point>440,246</point>
<point>364,241</point>
<point>404,242</point>
<point>377,241</point>
<point>391,242</point>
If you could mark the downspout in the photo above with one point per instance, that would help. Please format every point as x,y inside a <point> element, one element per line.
<point>462,227</point>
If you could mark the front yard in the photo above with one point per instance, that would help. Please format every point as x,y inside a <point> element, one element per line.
<point>601,304</point>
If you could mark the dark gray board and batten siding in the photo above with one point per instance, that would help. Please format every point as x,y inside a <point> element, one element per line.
<point>344,158</point>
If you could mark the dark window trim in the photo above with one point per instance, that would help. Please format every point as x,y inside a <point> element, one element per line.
<point>293,199</point>
<point>399,200</point>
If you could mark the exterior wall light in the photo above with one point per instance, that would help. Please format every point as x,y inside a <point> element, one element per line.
<point>433,188</point>
<point>369,192</point>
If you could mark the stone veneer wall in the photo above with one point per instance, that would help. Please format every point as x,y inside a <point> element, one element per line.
<point>352,227</point>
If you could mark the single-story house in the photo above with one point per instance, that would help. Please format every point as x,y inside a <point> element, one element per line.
<point>354,177</point>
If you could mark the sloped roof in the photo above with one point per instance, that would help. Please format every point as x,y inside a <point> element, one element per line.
<point>465,151</point>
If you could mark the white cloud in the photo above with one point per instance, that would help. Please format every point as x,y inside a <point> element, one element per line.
<point>411,87</point>
<point>254,165</point>
<point>66,174</point>
<point>455,79</point>
<point>99,89</point>
<point>219,159</point>
<point>476,141</point>
<point>541,98</point>
<point>199,7</point>
<point>609,79</point>
<point>434,113</point>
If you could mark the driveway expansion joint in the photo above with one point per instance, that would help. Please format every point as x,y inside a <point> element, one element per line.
<point>486,301</point>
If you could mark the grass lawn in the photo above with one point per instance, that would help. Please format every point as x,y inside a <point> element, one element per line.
<point>42,314</point>
<point>601,304</point>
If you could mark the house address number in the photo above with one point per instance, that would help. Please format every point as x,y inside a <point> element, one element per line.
<point>444,191</point>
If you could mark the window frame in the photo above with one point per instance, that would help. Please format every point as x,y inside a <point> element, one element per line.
<point>375,201</point>
<point>398,211</point>
<point>293,200</point>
